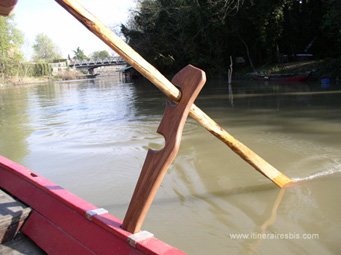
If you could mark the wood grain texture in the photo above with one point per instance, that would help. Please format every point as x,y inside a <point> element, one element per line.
<point>21,245</point>
<point>12,215</point>
<point>190,80</point>
<point>154,76</point>
<point>7,6</point>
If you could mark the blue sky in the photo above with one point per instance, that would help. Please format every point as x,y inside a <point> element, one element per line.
<point>46,16</point>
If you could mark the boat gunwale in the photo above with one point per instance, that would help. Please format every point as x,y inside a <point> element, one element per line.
<point>25,185</point>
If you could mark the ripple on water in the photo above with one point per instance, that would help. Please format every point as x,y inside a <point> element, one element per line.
<point>334,169</point>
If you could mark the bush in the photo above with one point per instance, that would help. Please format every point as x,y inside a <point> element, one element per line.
<point>41,69</point>
<point>69,74</point>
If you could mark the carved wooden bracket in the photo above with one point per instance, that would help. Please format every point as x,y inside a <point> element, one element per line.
<point>190,81</point>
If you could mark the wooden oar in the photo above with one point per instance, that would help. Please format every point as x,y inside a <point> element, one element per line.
<point>154,76</point>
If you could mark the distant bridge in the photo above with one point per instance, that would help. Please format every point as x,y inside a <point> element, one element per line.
<point>91,64</point>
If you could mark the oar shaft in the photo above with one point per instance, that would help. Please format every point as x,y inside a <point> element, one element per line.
<point>123,49</point>
<point>154,76</point>
<point>242,150</point>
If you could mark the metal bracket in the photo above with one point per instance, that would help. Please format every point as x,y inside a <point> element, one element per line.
<point>138,237</point>
<point>98,211</point>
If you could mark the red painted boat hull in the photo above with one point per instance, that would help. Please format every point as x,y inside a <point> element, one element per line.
<point>59,223</point>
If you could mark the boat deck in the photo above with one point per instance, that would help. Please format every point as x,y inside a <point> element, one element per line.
<point>12,215</point>
<point>19,246</point>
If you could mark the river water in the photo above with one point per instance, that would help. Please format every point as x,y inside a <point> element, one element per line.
<point>91,137</point>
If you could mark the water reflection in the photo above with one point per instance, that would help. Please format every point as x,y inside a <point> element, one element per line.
<point>263,230</point>
<point>230,94</point>
<point>14,119</point>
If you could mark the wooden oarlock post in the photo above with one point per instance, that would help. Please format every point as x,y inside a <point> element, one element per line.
<point>7,6</point>
<point>154,76</point>
<point>190,80</point>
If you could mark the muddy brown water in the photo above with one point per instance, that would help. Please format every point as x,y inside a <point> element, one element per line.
<point>91,137</point>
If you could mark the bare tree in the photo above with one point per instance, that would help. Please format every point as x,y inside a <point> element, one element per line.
<point>224,8</point>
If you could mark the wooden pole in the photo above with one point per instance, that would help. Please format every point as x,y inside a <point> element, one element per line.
<point>154,76</point>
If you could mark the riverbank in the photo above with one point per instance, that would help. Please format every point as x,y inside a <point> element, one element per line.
<point>318,69</point>
<point>22,81</point>
<point>330,68</point>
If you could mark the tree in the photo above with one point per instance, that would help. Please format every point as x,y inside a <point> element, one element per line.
<point>171,34</point>
<point>11,40</point>
<point>101,55</point>
<point>332,27</point>
<point>79,54</point>
<point>44,49</point>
